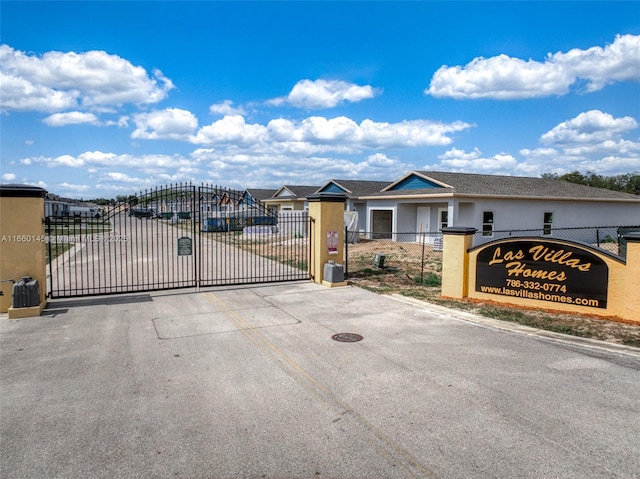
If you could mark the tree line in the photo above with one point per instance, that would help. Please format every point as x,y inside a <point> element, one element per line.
<point>627,183</point>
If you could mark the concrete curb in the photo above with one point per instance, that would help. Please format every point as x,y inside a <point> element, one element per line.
<point>455,314</point>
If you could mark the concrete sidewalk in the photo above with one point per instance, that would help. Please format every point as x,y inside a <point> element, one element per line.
<point>247,382</point>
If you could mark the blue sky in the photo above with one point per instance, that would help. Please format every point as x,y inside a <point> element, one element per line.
<point>100,99</point>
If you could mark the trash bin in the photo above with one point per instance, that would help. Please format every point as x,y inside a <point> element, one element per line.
<point>333,273</point>
<point>26,293</point>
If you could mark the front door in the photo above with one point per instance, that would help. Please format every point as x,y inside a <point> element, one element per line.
<point>423,227</point>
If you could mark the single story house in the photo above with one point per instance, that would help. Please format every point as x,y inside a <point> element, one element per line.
<point>354,189</point>
<point>427,201</point>
<point>290,198</point>
<point>252,197</point>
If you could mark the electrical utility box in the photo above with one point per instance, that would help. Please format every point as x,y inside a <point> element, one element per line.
<point>26,293</point>
<point>333,273</point>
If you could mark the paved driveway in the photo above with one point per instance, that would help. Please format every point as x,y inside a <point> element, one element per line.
<point>130,254</point>
<point>245,383</point>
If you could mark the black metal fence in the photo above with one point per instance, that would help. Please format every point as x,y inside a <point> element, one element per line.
<point>414,258</point>
<point>174,237</point>
<point>607,238</point>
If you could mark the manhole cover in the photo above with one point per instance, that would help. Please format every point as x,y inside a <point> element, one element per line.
<point>347,337</point>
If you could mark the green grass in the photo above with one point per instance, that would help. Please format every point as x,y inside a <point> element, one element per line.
<point>56,250</point>
<point>430,279</point>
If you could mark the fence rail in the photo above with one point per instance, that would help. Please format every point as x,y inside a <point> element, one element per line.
<point>606,238</point>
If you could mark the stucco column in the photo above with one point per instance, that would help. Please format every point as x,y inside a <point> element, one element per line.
<point>457,240</point>
<point>22,251</point>
<point>632,278</point>
<point>327,231</point>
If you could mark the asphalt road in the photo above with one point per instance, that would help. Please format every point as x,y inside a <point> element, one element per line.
<point>248,383</point>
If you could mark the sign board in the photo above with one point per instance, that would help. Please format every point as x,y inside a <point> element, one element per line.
<point>543,270</point>
<point>438,243</point>
<point>332,242</point>
<point>185,246</point>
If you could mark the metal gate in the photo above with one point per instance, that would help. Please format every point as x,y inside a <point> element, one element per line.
<point>179,236</point>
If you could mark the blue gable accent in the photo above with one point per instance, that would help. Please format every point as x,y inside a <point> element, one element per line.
<point>414,182</point>
<point>332,188</point>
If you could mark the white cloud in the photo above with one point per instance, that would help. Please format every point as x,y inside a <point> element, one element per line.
<point>597,158</point>
<point>589,127</point>
<point>230,130</point>
<point>170,124</point>
<point>39,183</point>
<point>318,94</point>
<point>592,141</point>
<point>226,108</point>
<point>380,167</point>
<point>120,177</point>
<point>74,188</point>
<point>58,81</point>
<point>317,134</point>
<point>613,165</point>
<point>8,177</point>
<point>70,118</point>
<point>503,77</point>
<point>619,61</point>
<point>97,159</point>
<point>19,94</point>
<point>121,122</point>
<point>271,170</point>
<point>465,162</point>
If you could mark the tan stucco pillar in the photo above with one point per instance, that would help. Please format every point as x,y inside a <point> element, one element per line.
<point>327,232</point>
<point>22,247</point>
<point>632,278</point>
<point>457,240</point>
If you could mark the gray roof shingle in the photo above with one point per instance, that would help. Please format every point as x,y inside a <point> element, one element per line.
<point>301,191</point>
<point>469,184</point>
<point>362,187</point>
<point>260,194</point>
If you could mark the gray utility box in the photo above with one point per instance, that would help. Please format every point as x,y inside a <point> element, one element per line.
<point>333,273</point>
<point>378,260</point>
<point>26,293</point>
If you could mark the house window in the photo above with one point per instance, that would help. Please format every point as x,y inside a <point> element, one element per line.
<point>444,218</point>
<point>547,223</point>
<point>487,223</point>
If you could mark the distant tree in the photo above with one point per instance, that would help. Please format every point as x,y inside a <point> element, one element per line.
<point>627,183</point>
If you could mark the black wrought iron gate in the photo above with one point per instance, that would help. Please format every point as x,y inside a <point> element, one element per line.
<point>179,236</point>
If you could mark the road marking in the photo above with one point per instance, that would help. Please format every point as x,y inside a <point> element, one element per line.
<point>385,445</point>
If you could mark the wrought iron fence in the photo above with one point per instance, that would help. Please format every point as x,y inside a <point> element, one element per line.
<point>607,238</point>
<point>409,257</point>
<point>176,236</point>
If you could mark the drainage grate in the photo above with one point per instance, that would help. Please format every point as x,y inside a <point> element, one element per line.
<point>347,337</point>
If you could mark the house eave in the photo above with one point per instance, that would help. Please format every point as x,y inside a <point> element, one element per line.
<point>496,197</point>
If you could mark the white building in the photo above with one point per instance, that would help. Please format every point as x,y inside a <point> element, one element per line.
<point>425,201</point>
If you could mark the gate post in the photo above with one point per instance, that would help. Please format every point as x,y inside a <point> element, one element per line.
<point>327,235</point>
<point>455,260</point>
<point>631,299</point>
<point>23,245</point>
